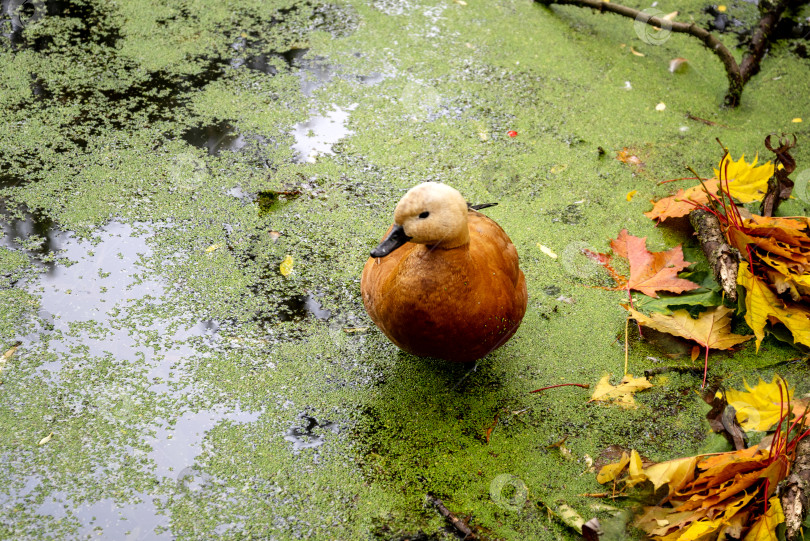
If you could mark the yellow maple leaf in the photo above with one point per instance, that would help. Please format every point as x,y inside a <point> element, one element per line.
<point>609,472</point>
<point>759,408</point>
<point>764,529</point>
<point>746,182</point>
<point>761,304</point>
<point>676,472</point>
<point>286,266</point>
<point>635,470</point>
<point>711,330</point>
<point>621,394</point>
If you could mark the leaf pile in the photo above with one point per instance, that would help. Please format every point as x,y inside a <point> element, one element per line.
<point>723,495</point>
<point>776,276</point>
<point>729,495</point>
<point>775,265</point>
<point>773,276</point>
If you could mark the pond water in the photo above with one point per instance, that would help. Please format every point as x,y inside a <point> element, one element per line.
<point>163,377</point>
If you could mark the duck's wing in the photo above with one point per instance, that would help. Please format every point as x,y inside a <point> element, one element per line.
<point>494,249</point>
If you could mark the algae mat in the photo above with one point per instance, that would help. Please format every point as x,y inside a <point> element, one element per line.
<point>163,379</point>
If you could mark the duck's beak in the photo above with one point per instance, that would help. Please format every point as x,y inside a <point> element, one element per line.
<point>395,238</point>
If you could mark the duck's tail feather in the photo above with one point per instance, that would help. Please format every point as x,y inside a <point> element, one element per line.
<point>481,206</point>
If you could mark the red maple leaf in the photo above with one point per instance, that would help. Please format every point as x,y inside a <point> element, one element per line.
<point>649,271</point>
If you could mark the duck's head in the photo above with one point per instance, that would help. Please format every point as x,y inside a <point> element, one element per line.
<point>430,213</point>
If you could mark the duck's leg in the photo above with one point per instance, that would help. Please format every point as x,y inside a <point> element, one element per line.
<point>470,371</point>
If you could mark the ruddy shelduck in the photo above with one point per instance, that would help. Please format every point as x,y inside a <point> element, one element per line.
<point>445,281</point>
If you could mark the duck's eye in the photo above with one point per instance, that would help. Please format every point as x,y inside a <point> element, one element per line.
<point>424,214</point>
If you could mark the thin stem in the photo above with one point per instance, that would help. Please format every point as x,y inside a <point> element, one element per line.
<point>583,385</point>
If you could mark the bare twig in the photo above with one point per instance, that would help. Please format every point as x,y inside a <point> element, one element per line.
<point>780,185</point>
<point>457,523</point>
<point>583,385</point>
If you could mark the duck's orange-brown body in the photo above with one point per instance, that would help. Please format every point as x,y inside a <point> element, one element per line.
<point>457,304</point>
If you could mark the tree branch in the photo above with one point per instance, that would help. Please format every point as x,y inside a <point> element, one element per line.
<point>737,74</point>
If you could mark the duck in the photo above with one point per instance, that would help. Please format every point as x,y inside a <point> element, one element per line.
<point>444,281</point>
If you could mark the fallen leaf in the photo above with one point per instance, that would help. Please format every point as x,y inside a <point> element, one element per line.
<point>709,498</point>
<point>569,517</point>
<point>678,65</point>
<point>546,250</point>
<point>677,473</point>
<point>683,202</point>
<point>661,106</point>
<point>632,50</point>
<point>10,351</point>
<point>213,247</point>
<point>286,266</point>
<point>761,407</point>
<point>651,271</point>
<point>765,528</point>
<point>712,329</point>
<point>746,181</point>
<point>762,304</point>
<point>46,439</point>
<point>490,428</point>
<point>621,394</point>
<point>625,156</point>
<point>630,194</point>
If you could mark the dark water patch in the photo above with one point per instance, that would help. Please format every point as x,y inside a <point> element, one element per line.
<point>294,56</point>
<point>39,90</point>
<point>163,93</point>
<point>27,230</point>
<point>313,72</point>
<point>309,433</point>
<point>570,215</point>
<point>15,16</point>
<point>159,96</point>
<point>339,21</point>
<point>270,201</point>
<point>552,291</point>
<point>215,137</point>
<point>93,25</point>
<point>299,307</point>
<point>265,62</point>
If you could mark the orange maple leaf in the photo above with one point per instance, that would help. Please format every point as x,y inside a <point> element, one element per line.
<point>649,271</point>
<point>683,202</point>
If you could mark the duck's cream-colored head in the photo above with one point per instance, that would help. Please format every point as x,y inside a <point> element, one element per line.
<point>430,213</point>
